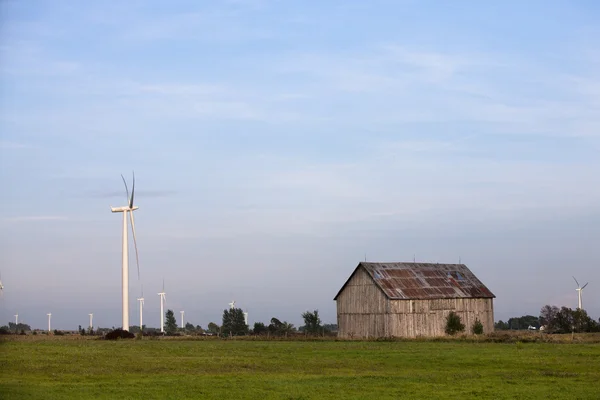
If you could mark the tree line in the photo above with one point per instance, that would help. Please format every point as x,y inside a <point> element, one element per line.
<point>553,320</point>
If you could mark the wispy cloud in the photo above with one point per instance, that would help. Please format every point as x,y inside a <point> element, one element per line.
<point>6,145</point>
<point>37,218</point>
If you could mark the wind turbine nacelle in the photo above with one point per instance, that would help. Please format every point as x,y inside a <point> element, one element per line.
<point>123,209</point>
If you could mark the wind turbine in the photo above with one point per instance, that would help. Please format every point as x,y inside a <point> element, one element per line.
<point>1,286</point>
<point>17,319</point>
<point>232,304</point>
<point>49,318</point>
<point>579,290</point>
<point>246,318</point>
<point>182,312</point>
<point>162,308</point>
<point>130,208</point>
<point>141,300</point>
<point>91,321</point>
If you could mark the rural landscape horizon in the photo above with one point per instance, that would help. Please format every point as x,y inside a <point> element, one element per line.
<point>301,199</point>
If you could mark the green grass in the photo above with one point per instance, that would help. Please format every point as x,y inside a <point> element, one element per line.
<point>53,368</point>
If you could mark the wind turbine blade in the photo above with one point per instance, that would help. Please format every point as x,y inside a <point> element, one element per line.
<point>584,286</point>
<point>576,282</point>
<point>132,191</point>
<point>126,188</point>
<point>137,258</point>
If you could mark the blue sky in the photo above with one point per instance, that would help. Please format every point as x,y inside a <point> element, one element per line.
<point>275,143</point>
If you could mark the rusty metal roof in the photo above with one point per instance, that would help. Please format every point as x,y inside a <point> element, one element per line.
<point>423,281</point>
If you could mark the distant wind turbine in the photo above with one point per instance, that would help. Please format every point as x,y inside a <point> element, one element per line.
<point>130,208</point>
<point>162,308</point>
<point>1,286</point>
<point>232,304</point>
<point>91,320</point>
<point>17,319</point>
<point>246,318</point>
<point>141,300</point>
<point>49,318</point>
<point>579,290</point>
<point>182,312</point>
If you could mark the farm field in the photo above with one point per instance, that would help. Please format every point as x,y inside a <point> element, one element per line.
<point>57,368</point>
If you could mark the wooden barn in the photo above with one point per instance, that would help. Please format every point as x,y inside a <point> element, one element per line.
<point>410,300</point>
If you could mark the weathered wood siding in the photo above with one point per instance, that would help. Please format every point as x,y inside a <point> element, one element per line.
<point>363,311</point>
<point>412,318</point>
<point>362,308</point>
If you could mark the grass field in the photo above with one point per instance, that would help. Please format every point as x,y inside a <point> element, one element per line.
<point>56,368</point>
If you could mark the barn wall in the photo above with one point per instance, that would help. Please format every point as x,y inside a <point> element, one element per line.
<point>412,318</point>
<point>361,308</point>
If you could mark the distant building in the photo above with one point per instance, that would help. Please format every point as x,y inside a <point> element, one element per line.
<point>410,300</point>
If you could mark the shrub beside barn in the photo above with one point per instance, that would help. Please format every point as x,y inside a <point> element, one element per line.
<point>410,300</point>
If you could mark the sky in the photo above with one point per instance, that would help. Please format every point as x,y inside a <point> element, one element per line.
<point>276,144</point>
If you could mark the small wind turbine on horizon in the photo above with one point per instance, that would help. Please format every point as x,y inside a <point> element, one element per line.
<point>91,320</point>
<point>246,317</point>
<point>49,318</point>
<point>162,308</point>
<point>17,319</point>
<point>130,208</point>
<point>182,312</point>
<point>232,305</point>
<point>579,290</point>
<point>141,300</point>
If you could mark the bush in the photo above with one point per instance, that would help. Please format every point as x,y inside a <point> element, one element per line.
<point>58,333</point>
<point>453,324</point>
<point>119,334</point>
<point>477,328</point>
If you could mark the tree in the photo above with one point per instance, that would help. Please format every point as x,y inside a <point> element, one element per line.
<point>548,314</point>
<point>259,328</point>
<point>501,326</point>
<point>280,328</point>
<point>170,323</point>
<point>477,328</point>
<point>453,324</point>
<point>312,322</point>
<point>213,328</point>
<point>190,327</point>
<point>234,322</point>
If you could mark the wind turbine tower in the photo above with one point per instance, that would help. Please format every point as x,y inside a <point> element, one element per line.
<point>182,312</point>
<point>246,318</point>
<point>91,320</point>
<point>49,318</point>
<point>1,286</point>
<point>141,300</point>
<point>232,304</point>
<point>17,319</point>
<point>162,308</point>
<point>130,208</point>
<point>579,290</point>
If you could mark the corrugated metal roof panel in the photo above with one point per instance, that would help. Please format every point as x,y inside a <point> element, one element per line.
<point>426,281</point>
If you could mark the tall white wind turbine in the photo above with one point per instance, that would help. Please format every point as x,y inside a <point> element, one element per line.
<point>49,318</point>
<point>17,319</point>
<point>579,290</point>
<point>182,312</point>
<point>162,308</point>
<point>232,304</point>
<point>141,300</point>
<point>130,208</point>
<point>91,320</point>
<point>246,318</point>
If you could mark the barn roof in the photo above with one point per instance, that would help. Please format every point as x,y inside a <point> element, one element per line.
<point>423,281</point>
